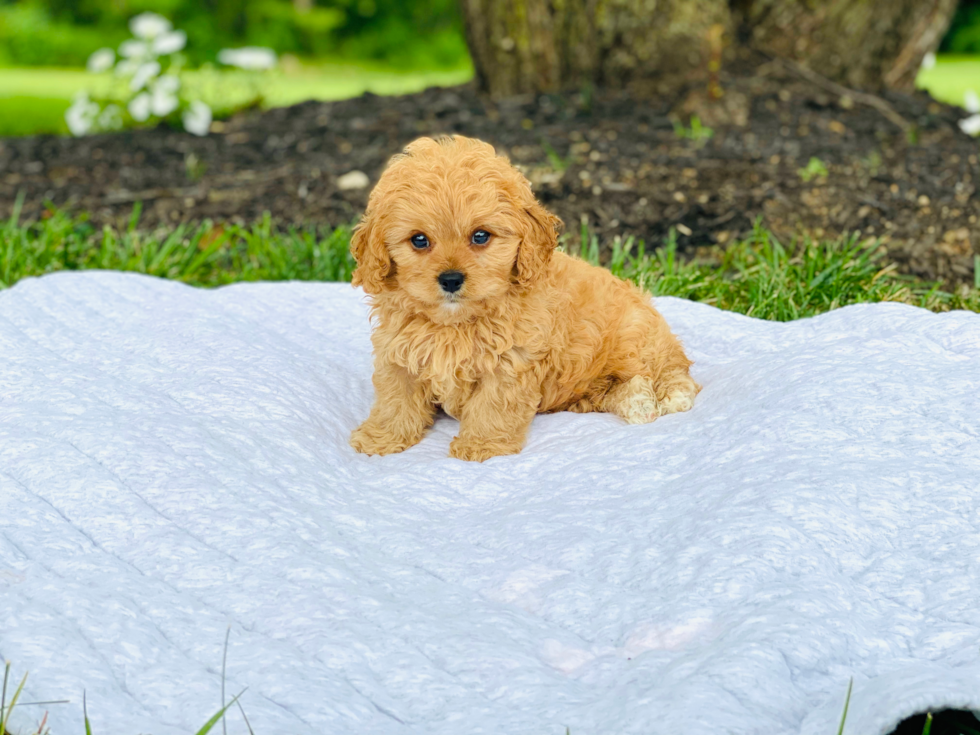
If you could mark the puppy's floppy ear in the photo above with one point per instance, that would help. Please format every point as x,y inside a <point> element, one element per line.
<point>374,263</point>
<point>538,241</point>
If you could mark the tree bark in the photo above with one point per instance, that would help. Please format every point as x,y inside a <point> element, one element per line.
<point>521,46</point>
<point>864,44</point>
<point>528,46</point>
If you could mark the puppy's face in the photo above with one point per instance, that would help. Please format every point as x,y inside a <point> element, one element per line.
<point>453,226</point>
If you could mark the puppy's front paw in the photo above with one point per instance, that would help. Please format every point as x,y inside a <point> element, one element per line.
<point>474,450</point>
<point>369,438</point>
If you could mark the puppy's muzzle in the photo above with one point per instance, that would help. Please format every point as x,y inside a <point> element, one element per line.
<point>451,281</point>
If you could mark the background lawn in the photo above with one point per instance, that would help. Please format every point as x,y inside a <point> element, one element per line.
<point>33,100</point>
<point>951,77</point>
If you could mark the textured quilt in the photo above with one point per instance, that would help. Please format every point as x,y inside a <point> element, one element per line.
<point>174,466</point>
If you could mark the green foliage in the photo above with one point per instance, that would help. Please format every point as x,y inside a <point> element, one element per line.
<point>202,255</point>
<point>761,278</point>
<point>413,33</point>
<point>417,34</point>
<point>814,168</point>
<point>696,131</point>
<point>555,161</point>
<point>963,36</point>
<point>30,36</point>
<point>31,115</point>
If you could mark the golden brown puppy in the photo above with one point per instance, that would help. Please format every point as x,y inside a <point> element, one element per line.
<point>476,312</point>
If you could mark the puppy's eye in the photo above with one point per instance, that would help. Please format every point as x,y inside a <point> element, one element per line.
<point>480,237</point>
<point>420,241</point>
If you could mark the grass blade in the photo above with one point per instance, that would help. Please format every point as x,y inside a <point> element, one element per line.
<point>5,714</point>
<point>18,206</point>
<point>88,725</point>
<point>3,699</point>
<point>134,218</point>
<point>49,701</point>
<point>249,724</point>
<point>224,663</point>
<point>847,702</point>
<point>218,715</point>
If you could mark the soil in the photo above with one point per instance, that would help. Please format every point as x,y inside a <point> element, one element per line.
<point>615,163</point>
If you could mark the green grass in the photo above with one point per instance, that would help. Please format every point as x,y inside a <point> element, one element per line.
<point>695,131</point>
<point>758,276</point>
<point>814,169</point>
<point>762,278</point>
<point>200,255</point>
<point>25,115</point>
<point>950,78</point>
<point>24,111</point>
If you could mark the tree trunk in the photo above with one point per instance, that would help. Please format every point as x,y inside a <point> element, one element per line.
<point>864,44</point>
<point>522,46</point>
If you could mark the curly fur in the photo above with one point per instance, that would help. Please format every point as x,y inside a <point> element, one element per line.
<point>531,331</point>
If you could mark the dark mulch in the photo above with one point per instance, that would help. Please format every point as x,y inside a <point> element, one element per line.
<point>614,162</point>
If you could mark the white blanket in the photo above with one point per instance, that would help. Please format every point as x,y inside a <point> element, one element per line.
<point>174,461</point>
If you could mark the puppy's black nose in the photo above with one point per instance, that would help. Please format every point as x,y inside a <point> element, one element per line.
<point>451,281</point>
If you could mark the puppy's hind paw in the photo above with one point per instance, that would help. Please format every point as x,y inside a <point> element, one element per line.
<point>680,397</point>
<point>634,401</point>
<point>642,409</point>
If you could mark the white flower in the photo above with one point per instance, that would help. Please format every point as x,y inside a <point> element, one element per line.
<point>971,102</point>
<point>127,67</point>
<point>929,60</point>
<point>144,74</point>
<point>133,49</point>
<point>162,102</point>
<point>197,118</point>
<point>169,43</point>
<point>80,117</point>
<point>111,118</point>
<point>78,122</point>
<point>139,107</point>
<point>167,83</point>
<point>971,125</point>
<point>149,25</point>
<point>102,60</point>
<point>250,57</point>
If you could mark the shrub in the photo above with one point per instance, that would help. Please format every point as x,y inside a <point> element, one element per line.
<point>416,34</point>
<point>150,66</point>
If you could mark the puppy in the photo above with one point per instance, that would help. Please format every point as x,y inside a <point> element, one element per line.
<point>475,311</point>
